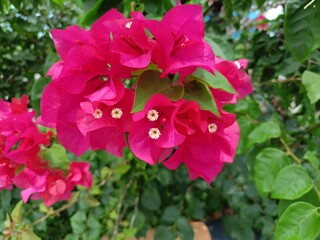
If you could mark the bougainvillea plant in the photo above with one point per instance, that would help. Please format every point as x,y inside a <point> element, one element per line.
<point>21,163</point>
<point>153,86</point>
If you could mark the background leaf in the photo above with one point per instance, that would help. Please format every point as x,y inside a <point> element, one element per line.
<point>263,132</point>
<point>301,27</point>
<point>163,232</point>
<point>311,81</point>
<point>150,199</point>
<point>266,167</point>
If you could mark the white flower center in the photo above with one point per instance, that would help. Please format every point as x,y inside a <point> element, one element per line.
<point>116,113</point>
<point>154,133</point>
<point>97,113</point>
<point>152,115</point>
<point>128,25</point>
<point>212,127</point>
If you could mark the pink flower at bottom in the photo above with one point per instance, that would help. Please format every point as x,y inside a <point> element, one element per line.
<point>79,174</point>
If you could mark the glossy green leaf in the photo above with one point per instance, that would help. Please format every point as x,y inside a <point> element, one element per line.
<point>301,27</point>
<point>185,230</point>
<point>311,82</point>
<point>266,167</point>
<point>264,132</point>
<point>311,197</point>
<point>150,199</point>
<point>150,83</point>
<point>56,155</point>
<point>299,222</point>
<point>170,214</point>
<point>217,81</point>
<point>292,182</point>
<point>198,91</point>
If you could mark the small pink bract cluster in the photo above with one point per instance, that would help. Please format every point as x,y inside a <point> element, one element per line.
<point>20,161</point>
<point>131,81</point>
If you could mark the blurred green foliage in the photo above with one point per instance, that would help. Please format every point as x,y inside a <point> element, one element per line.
<point>275,175</point>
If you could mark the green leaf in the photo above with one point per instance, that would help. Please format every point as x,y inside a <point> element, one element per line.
<point>164,232</point>
<point>315,163</point>
<point>122,168</point>
<point>164,176</point>
<point>228,7</point>
<point>139,220</point>
<point>246,127</point>
<point>92,13</point>
<point>170,214</point>
<point>78,222</point>
<point>217,81</point>
<point>301,27</point>
<point>36,92</point>
<point>50,60</point>
<point>17,212</point>
<point>311,81</point>
<point>292,182</point>
<point>59,2</point>
<point>266,167</point>
<point>185,230</point>
<point>220,46</point>
<point>57,156</point>
<point>150,199</point>
<point>264,132</point>
<point>260,3</point>
<point>299,221</point>
<point>94,228</point>
<point>28,234</point>
<point>150,83</point>
<point>199,92</point>
<point>311,197</point>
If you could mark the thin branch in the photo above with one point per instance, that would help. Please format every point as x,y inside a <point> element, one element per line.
<point>119,206</point>
<point>73,200</point>
<point>307,129</point>
<point>133,218</point>
<point>289,152</point>
<point>273,81</point>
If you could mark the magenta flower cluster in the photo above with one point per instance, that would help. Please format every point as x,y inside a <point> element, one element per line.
<point>131,81</point>
<point>21,164</point>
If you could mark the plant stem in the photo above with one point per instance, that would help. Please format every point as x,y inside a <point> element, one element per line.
<point>73,200</point>
<point>116,227</point>
<point>289,152</point>
<point>317,190</point>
